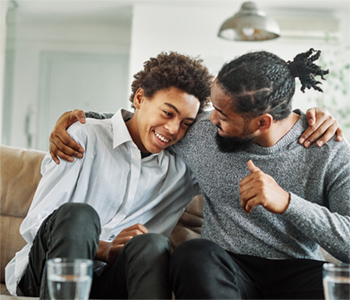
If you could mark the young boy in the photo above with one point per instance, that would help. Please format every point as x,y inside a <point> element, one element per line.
<point>118,203</point>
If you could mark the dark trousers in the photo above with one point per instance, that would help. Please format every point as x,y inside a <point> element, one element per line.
<point>201,269</point>
<point>72,231</point>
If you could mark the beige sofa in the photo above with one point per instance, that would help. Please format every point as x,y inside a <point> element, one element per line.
<point>19,177</point>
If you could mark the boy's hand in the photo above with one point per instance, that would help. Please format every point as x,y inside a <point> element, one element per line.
<point>108,252</point>
<point>61,144</point>
<point>322,128</point>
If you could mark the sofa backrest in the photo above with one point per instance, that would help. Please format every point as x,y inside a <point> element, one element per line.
<point>19,177</point>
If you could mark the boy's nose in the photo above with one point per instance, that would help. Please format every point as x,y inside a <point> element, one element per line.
<point>173,127</point>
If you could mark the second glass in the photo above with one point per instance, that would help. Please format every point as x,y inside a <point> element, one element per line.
<point>336,281</point>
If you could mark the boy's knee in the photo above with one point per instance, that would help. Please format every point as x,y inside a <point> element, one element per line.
<point>73,208</point>
<point>78,212</point>
<point>77,219</point>
<point>72,231</point>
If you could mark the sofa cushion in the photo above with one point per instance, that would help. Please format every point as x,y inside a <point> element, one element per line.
<point>189,225</point>
<point>20,175</point>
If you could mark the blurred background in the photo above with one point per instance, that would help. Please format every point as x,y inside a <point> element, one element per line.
<point>58,55</point>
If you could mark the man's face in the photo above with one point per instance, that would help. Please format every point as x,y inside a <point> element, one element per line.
<point>163,119</point>
<point>234,131</point>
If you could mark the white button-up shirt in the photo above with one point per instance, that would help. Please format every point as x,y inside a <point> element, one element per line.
<point>124,188</point>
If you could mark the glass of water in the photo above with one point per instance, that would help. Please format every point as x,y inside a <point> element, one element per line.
<point>336,281</point>
<point>69,278</point>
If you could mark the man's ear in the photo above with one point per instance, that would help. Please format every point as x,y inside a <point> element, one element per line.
<point>264,122</point>
<point>138,98</point>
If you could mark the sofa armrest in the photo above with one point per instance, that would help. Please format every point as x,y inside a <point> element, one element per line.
<point>19,177</point>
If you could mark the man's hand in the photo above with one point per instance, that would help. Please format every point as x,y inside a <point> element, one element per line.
<point>108,252</point>
<point>259,188</point>
<point>61,144</point>
<point>322,128</point>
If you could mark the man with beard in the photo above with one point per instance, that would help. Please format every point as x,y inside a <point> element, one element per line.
<point>269,201</point>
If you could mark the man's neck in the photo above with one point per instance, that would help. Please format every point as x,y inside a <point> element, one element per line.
<point>277,131</point>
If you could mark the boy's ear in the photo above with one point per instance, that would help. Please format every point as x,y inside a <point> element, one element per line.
<point>139,97</point>
<point>265,122</point>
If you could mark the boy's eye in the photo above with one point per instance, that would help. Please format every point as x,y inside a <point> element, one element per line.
<point>188,124</point>
<point>167,113</point>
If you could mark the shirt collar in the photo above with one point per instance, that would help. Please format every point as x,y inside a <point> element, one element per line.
<point>121,133</point>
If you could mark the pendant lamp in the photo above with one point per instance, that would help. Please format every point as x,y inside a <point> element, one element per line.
<point>249,24</point>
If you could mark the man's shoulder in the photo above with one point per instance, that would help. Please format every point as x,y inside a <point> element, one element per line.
<point>204,116</point>
<point>202,124</point>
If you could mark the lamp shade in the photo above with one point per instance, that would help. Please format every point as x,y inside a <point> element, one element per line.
<point>249,24</point>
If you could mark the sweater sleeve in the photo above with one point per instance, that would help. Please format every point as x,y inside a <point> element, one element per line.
<point>328,224</point>
<point>98,115</point>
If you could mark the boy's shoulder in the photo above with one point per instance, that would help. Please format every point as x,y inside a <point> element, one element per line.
<point>89,125</point>
<point>92,128</point>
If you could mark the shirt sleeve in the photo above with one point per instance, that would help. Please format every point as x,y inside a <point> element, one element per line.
<point>55,188</point>
<point>328,224</point>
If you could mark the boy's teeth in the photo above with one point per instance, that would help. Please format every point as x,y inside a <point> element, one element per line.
<point>161,137</point>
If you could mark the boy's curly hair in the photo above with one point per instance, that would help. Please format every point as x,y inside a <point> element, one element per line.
<point>174,70</point>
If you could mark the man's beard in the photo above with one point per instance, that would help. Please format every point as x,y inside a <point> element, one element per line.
<point>233,144</point>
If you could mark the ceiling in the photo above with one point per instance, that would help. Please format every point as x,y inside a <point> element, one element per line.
<point>119,12</point>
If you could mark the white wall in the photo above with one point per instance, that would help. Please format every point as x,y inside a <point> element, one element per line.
<point>27,44</point>
<point>3,12</point>
<point>193,30</point>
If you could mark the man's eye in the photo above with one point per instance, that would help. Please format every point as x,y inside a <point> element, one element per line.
<point>221,119</point>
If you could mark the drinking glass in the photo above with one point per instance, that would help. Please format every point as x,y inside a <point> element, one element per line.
<point>69,278</point>
<point>336,281</point>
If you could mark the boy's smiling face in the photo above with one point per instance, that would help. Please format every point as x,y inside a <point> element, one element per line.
<point>163,119</point>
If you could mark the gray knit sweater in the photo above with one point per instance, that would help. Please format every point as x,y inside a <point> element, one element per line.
<point>318,180</point>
